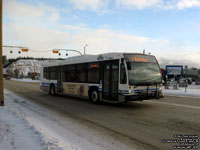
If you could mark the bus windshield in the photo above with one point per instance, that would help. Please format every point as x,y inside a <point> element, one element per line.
<point>143,70</point>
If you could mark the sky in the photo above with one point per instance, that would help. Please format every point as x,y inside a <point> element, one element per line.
<point>168,29</point>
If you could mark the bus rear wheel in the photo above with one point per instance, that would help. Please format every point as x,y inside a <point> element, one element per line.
<point>52,90</point>
<point>94,96</point>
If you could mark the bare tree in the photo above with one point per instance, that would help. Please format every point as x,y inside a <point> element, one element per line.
<point>16,73</point>
<point>9,71</point>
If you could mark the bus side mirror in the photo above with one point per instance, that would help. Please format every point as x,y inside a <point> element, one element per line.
<point>128,65</point>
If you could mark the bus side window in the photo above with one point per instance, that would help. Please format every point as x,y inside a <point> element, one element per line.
<point>45,73</point>
<point>80,73</point>
<point>64,74</point>
<point>70,73</point>
<point>93,73</point>
<point>52,73</point>
<point>122,74</point>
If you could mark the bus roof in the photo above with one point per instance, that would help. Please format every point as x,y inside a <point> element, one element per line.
<point>88,58</point>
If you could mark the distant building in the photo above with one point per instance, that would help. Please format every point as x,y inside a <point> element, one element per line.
<point>193,73</point>
<point>4,71</point>
<point>174,71</point>
<point>5,74</point>
<point>4,60</point>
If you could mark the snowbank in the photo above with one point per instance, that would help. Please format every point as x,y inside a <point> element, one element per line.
<point>25,80</point>
<point>191,91</point>
<point>16,132</point>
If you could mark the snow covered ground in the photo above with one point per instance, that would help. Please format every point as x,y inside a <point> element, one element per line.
<point>25,125</point>
<point>191,91</point>
<point>25,80</point>
<point>18,130</point>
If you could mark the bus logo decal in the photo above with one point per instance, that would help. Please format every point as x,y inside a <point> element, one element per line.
<point>100,57</point>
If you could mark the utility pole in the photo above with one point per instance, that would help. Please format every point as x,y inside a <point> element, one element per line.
<point>1,56</point>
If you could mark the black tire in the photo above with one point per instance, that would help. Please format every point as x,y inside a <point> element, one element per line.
<point>52,90</point>
<point>94,97</point>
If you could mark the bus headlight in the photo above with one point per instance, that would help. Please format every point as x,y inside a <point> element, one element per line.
<point>160,88</point>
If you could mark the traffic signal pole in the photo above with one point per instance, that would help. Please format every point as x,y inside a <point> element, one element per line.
<point>1,56</point>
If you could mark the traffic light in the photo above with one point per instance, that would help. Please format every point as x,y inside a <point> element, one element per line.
<point>55,51</point>
<point>24,49</point>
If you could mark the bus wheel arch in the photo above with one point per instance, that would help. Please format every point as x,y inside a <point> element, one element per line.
<point>52,89</point>
<point>94,94</point>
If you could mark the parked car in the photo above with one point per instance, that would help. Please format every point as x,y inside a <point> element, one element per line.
<point>197,82</point>
<point>8,78</point>
<point>183,82</point>
<point>189,81</point>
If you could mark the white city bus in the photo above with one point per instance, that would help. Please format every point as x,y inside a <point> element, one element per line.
<point>111,77</point>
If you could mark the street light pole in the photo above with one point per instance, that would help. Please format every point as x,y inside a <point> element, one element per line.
<point>1,56</point>
<point>85,48</point>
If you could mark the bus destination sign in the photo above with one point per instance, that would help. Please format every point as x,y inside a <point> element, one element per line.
<point>135,58</point>
<point>140,58</point>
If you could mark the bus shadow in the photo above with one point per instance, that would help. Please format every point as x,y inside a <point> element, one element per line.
<point>129,105</point>
<point>132,105</point>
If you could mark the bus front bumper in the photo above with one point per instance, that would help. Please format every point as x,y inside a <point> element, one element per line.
<point>144,96</point>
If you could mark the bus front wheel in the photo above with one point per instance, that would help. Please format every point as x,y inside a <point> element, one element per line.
<point>94,96</point>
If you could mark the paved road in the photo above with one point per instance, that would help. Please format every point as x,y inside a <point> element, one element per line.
<point>142,125</point>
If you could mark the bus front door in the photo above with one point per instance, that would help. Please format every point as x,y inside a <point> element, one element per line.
<point>110,80</point>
